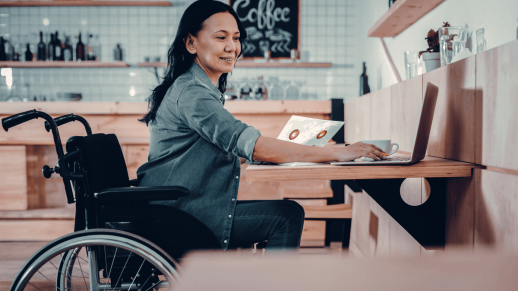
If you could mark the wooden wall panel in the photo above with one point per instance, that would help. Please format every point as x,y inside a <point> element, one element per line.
<point>356,120</point>
<point>42,192</point>
<point>360,236</point>
<point>460,216</point>
<point>406,102</point>
<point>453,127</point>
<point>381,114</point>
<point>13,178</point>
<point>135,156</point>
<point>496,211</point>
<point>34,230</point>
<point>379,229</point>
<point>497,89</point>
<point>126,127</point>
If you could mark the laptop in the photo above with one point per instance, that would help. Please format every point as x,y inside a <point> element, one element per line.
<point>421,138</point>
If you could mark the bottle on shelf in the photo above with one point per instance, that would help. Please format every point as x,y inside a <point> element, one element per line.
<point>50,48</point>
<point>80,50</point>
<point>57,48</point>
<point>28,53</point>
<point>9,49</point>
<point>89,48</point>
<point>17,48</point>
<point>42,49</point>
<point>117,53</point>
<point>96,45</point>
<point>245,91</point>
<point>364,82</point>
<point>68,52</point>
<point>260,92</point>
<point>3,56</point>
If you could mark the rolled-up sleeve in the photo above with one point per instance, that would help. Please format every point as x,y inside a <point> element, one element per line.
<point>203,113</point>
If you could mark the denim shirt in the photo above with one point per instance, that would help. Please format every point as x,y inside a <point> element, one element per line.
<point>196,143</point>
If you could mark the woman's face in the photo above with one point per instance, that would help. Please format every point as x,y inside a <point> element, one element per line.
<point>216,46</point>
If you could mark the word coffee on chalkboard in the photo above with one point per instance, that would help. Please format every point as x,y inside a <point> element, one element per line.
<point>271,25</point>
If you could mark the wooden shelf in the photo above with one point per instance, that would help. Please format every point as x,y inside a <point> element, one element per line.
<point>400,16</point>
<point>251,64</point>
<point>63,64</point>
<point>83,3</point>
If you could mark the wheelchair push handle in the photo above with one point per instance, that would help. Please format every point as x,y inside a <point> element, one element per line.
<point>19,118</point>
<point>69,118</point>
<point>22,117</point>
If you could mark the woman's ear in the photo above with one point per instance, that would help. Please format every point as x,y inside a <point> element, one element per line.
<point>189,44</point>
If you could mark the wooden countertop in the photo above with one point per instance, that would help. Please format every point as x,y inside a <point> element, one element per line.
<point>140,108</point>
<point>430,167</point>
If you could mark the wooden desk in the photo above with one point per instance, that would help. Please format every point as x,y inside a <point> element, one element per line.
<point>430,167</point>
<point>425,222</point>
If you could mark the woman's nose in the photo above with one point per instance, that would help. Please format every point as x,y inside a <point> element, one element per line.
<point>230,46</point>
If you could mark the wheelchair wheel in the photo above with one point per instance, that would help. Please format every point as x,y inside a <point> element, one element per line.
<point>98,259</point>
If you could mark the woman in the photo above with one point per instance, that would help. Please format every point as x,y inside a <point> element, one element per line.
<point>196,143</point>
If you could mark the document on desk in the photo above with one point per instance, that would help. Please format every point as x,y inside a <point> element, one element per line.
<point>310,132</point>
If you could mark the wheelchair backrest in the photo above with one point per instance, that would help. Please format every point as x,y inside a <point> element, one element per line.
<point>102,159</point>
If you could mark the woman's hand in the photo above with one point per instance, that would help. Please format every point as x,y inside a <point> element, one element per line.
<point>278,151</point>
<point>358,150</point>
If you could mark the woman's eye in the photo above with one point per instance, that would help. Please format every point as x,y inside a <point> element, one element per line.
<point>220,37</point>
<point>237,38</point>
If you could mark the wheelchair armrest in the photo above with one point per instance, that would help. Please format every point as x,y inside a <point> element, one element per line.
<point>134,182</point>
<point>142,193</point>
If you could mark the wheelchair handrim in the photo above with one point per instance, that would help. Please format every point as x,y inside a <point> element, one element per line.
<point>109,239</point>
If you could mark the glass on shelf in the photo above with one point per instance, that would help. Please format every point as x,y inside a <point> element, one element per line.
<point>452,41</point>
<point>411,59</point>
<point>244,89</point>
<point>481,41</point>
<point>293,90</point>
<point>276,89</point>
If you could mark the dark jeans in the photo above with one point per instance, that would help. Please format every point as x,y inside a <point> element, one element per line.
<point>279,222</point>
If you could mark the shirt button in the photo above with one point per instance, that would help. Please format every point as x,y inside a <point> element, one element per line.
<point>225,241</point>
<point>230,216</point>
<point>233,199</point>
<point>237,177</point>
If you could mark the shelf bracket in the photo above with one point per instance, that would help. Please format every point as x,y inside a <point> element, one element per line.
<point>391,62</point>
<point>426,223</point>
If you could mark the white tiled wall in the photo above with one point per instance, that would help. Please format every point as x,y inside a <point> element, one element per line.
<point>327,31</point>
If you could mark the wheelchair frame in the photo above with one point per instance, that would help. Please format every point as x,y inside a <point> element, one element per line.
<point>88,234</point>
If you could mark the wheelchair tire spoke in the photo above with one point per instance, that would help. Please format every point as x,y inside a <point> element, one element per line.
<point>144,284</point>
<point>123,269</point>
<point>113,260</point>
<point>136,275</point>
<point>63,274</point>
<point>154,285</point>
<point>49,281</point>
<point>82,273</point>
<point>136,266</point>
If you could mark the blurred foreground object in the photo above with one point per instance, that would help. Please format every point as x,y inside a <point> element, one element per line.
<point>443,271</point>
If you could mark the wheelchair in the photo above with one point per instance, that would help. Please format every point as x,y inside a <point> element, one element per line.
<point>120,241</point>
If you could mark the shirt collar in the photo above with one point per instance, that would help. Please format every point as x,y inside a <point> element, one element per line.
<point>200,73</point>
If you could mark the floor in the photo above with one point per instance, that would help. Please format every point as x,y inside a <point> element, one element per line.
<point>13,256</point>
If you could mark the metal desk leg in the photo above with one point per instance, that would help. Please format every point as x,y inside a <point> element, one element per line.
<point>426,222</point>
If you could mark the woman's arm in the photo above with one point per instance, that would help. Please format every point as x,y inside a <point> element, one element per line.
<point>278,151</point>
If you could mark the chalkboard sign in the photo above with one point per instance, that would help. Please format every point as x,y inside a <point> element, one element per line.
<point>271,25</point>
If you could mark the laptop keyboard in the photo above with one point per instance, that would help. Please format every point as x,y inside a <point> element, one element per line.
<point>399,159</point>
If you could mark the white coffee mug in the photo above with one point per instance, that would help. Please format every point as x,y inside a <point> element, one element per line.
<point>383,144</point>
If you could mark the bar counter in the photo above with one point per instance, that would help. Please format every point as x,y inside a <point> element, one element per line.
<point>26,148</point>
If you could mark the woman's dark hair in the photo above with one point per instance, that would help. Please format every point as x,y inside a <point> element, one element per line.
<point>179,59</point>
